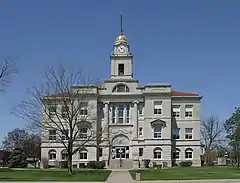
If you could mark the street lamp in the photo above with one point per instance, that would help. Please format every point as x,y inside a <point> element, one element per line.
<point>120,152</point>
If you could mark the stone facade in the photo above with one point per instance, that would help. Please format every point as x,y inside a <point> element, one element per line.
<point>151,122</point>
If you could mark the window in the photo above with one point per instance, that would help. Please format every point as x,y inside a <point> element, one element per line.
<point>83,154</point>
<point>121,113</point>
<point>65,110</point>
<point>120,69</point>
<point>52,110</point>
<point>188,153</point>
<point>83,108</point>
<point>140,110</point>
<point>64,154</point>
<point>157,153</point>
<point>176,111</point>
<point>52,154</point>
<point>176,154</point>
<point>176,134</point>
<point>140,151</point>
<point>157,132</point>
<point>188,133</point>
<point>140,131</point>
<point>158,107</point>
<point>128,113</point>
<point>52,135</point>
<point>121,88</point>
<point>83,133</point>
<point>65,134</point>
<point>188,111</point>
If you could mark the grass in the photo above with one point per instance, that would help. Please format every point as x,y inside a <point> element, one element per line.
<point>188,173</point>
<point>53,175</point>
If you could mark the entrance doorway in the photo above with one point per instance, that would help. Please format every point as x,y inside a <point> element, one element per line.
<point>120,152</point>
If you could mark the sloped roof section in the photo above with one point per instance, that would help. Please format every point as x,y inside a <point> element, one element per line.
<point>181,93</point>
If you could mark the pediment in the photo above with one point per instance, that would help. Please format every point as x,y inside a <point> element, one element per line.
<point>158,122</point>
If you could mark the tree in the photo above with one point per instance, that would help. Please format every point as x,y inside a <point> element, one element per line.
<point>15,139</point>
<point>232,127</point>
<point>18,159</point>
<point>32,147</point>
<point>7,69</point>
<point>212,134</point>
<point>64,104</point>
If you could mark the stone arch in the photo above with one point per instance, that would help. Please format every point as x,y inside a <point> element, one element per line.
<point>120,140</point>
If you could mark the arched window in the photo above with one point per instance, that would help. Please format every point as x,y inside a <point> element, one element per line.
<point>157,153</point>
<point>121,88</point>
<point>52,154</point>
<point>64,154</point>
<point>83,154</point>
<point>176,154</point>
<point>188,153</point>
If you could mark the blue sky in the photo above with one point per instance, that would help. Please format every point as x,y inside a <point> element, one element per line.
<point>194,45</point>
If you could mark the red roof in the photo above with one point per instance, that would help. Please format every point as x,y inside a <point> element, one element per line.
<point>180,93</point>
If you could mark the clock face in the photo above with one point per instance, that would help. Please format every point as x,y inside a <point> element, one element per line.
<point>121,49</point>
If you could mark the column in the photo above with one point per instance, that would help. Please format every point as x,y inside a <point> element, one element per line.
<point>135,119</point>
<point>106,119</point>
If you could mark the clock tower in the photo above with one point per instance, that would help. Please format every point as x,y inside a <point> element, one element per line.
<point>121,58</point>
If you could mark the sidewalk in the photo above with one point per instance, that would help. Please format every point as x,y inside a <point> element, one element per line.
<point>120,176</point>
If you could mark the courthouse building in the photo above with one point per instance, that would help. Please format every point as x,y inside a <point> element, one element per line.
<point>151,121</point>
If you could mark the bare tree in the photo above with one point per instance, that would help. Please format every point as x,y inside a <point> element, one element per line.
<point>212,134</point>
<point>7,69</point>
<point>64,106</point>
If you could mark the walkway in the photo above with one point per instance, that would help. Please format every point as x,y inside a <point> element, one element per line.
<point>120,176</point>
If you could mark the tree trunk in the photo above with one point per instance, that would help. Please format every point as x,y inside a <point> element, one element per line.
<point>70,171</point>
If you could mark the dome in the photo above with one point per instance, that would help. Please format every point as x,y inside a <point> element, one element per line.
<point>121,37</point>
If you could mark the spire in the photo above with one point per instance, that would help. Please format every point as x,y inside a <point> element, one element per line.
<point>121,23</point>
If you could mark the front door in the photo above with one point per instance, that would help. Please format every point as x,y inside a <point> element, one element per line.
<point>121,152</point>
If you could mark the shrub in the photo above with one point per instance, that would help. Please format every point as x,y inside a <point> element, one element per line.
<point>63,164</point>
<point>210,163</point>
<point>82,165</point>
<point>185,163</point>
<point>96,164</point>
<point>146,163</point>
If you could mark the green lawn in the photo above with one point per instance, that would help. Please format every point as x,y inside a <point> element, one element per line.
<point>189,173</point>
<point>53,175</point>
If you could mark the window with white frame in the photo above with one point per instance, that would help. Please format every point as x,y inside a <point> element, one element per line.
<point>188,153</point>
<point>64,154</point>
<point>140,132</point>
<point>176,111</point>
<point>157,131</point>
<point>65,110</point>
<point>157,153</point>
<point>83,133</point>
<point>188,111</point>
<point>176,154</point>
<point>52,154</point>
<point>52,110</point>
<point>188,133</point>
<point>83,154</point>
<point>121,113</point>
<point>121,88</point>
<point>84,109</point>
<point>176,133</point>
<point>65,134</point>
<point>52,134</point>
<point>158,107</point>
